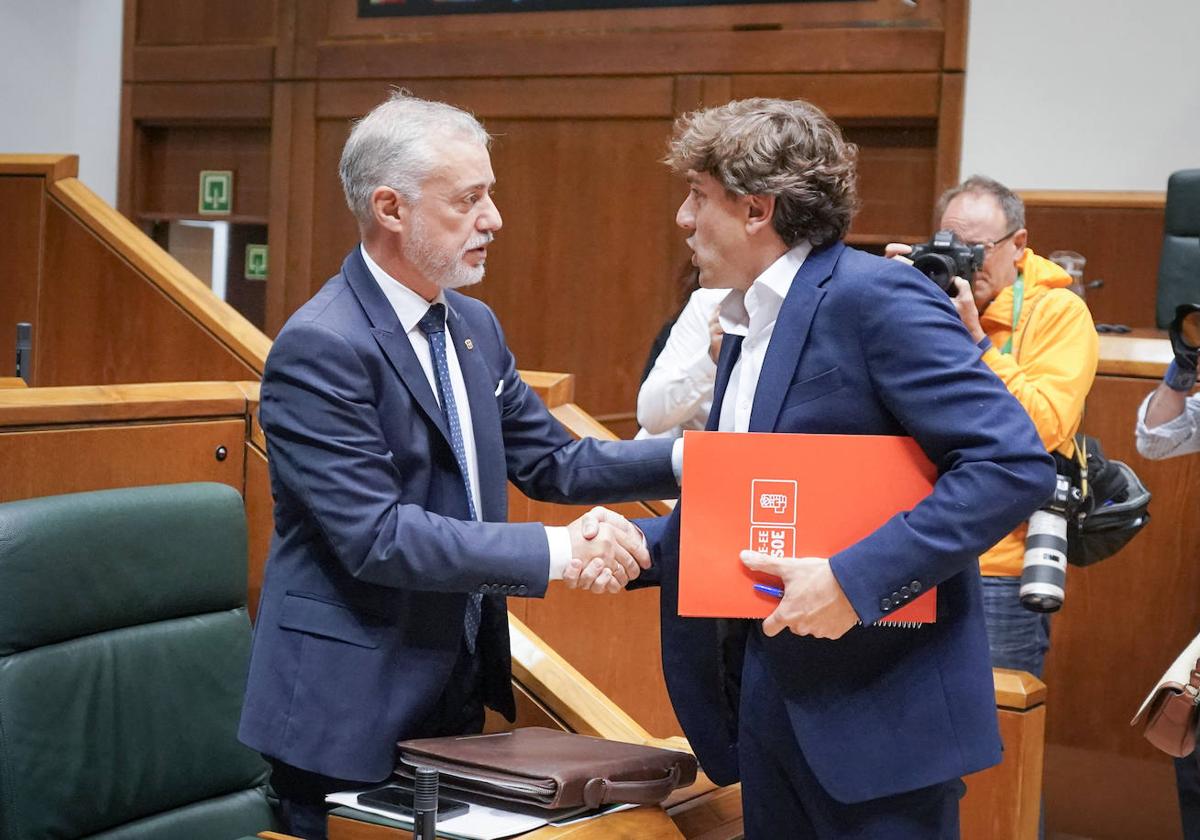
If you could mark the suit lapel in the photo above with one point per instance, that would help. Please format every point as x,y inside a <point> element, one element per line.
<point>790,333</point>
<point>390,336</point>
<point>485,418</point>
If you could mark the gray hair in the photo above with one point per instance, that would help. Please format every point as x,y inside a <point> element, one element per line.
<point>788,149</point>
<point>1009,201</point>
<point>396,145</point>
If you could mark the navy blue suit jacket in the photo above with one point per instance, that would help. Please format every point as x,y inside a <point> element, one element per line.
<point>361,615</point>
<point>865,345</point>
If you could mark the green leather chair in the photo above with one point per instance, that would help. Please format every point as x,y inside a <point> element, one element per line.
<point>124,642</point>
<point>1179,262</point>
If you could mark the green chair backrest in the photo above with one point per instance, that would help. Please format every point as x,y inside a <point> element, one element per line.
<point>124,643</point>
<point>1179,262</point>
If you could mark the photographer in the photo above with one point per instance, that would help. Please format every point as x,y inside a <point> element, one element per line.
<point>1038,337</point>
<point>1168,419</point>
<point>1168,424</point>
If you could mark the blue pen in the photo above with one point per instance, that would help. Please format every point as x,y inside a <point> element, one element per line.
<point>773,591</point>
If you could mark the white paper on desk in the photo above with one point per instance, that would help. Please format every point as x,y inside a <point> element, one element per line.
<point>479,823</point>
<point>604,810</point>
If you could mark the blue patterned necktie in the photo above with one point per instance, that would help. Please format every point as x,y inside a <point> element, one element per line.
<point>433,324</point>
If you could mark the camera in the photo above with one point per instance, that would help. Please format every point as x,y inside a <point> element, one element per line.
<point>944,257</point>
<point>1044,572</point>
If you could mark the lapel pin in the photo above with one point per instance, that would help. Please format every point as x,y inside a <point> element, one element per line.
<point>470,344</point>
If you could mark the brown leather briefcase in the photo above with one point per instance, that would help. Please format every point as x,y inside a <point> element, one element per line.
<point>550,769</point>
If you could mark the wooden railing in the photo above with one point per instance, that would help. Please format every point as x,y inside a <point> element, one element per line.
<point>107,305</point>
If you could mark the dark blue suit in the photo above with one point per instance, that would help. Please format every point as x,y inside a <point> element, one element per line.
<point>865,345</point>
<point>361,617</point>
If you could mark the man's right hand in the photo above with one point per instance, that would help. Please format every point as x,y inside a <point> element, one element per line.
<point>897,250</point>
<point>607,552</point>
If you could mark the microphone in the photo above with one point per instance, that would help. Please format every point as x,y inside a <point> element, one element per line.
<point>24,350</point>
<point>425,797</point>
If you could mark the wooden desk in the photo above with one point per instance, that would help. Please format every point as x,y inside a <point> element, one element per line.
<point>12,382</point>
<point>1121,624</point>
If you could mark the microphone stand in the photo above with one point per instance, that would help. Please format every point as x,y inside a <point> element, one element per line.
<point>425,796</point>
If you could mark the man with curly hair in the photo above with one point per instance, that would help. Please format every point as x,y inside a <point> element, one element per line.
<point>837,727</point>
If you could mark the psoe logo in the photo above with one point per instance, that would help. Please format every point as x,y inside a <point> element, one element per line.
<point>773,540</point>
<point>772,502</point>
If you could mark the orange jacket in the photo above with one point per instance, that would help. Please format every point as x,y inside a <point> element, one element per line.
<point>1050,370</point>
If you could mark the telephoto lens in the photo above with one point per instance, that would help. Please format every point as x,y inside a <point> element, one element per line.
<point>1044,573</point>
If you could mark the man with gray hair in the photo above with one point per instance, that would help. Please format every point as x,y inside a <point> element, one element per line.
<point>394,417</point>
<point>836,727</point>
<point>1039,338</point>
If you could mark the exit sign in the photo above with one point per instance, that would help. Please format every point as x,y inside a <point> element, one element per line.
<point>256,262</point>
<point>216,192</point>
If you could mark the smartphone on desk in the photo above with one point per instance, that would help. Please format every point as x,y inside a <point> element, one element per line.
<point>400,800</point>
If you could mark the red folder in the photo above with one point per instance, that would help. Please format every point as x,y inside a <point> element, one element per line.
<point>789,495</point>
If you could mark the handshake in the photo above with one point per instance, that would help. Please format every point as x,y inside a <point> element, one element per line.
<point>607,552</point>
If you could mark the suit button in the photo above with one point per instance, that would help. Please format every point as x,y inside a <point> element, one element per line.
<point>915,586</point>
<point>885,604</point>
<point>485,588</point>
<point>522,589</point>
<point>509,589</point>
<point>906,592</point>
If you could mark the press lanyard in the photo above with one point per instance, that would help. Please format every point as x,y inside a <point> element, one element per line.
<point>1018,299</point>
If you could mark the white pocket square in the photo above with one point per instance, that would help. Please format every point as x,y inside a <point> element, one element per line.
<point>499,387</point>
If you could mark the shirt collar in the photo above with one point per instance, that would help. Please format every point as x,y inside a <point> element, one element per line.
<point>409,306</point>
<point>766,293</point>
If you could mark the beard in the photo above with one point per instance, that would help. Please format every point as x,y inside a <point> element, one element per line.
<point>445,267</point>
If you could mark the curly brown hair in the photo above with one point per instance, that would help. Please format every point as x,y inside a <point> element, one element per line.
<point>788,149</point>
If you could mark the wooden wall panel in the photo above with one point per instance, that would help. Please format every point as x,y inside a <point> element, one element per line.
<point>206,63</point>
<point>897,168</point>
<point>339,20</point>
<point>587,263</point>
<point>169,186</point>
<point>41,462</point>
<point>483,53</point>
<point>101,322</point>
<point>1122,246</point>
<point>1122,622</point>
<point>20,244</point>
<point>290,229</point>
<point>179,22</point>
<point>848,96</point>
<point>334,231</point>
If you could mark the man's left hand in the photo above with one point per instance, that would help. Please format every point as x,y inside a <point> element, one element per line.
<point>813,603</point>
<point>964,302</point>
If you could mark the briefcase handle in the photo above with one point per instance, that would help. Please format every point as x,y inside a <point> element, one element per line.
<point>599,792</point>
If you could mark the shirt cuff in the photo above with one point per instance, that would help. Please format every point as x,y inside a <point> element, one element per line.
<point>984,344</point>
<point>558,539</point>
<point>677,459</point>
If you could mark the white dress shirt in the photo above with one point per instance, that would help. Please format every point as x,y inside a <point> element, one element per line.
<point>752,314</point>
<point>677,395</point>
<point>410,308</point>
<point>1179,436</point>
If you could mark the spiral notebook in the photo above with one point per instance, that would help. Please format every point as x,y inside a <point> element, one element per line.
<point>789,495</point>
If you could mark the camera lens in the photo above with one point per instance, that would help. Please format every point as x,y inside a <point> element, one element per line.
<point>1044,574</point>
<point>939,268</point>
